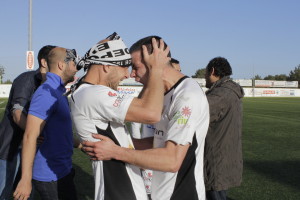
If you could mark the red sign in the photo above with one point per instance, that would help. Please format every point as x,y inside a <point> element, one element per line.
<point>29,60</point>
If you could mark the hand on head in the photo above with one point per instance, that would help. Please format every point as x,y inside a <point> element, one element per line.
<point>158,59</point>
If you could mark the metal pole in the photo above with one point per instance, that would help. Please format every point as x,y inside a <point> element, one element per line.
<point>30,26</point>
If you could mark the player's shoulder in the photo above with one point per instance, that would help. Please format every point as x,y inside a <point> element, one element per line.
<point>90,93</point>
<point>190,87</point>
<point>25,77</point>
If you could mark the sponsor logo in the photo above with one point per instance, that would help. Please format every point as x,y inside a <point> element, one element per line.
<point>182,116</point>
<point>112,94</point>
<point>118,101</point>
<point>159,132</point>
<point>186,111</point>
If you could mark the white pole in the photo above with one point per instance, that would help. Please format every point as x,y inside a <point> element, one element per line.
<point>30,26</point>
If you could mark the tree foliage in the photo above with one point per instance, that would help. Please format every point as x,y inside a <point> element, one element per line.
<point>257,77</point>
<point>7,82</point>
<point>295,74</point>
<point>279,77</point>
<point>200,73</point>
<point>2,72</point>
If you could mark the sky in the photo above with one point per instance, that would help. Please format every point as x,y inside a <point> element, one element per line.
<point>257,37</point>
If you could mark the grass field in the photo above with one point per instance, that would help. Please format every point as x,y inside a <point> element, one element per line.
<point>271,148</point>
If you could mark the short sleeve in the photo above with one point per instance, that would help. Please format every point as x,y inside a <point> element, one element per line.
<point>102,103</point>
<point>43,102</point>
<point>185,116</point>
<point>115,106</point>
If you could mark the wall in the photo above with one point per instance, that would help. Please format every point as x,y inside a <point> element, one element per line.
<point>249,92</point>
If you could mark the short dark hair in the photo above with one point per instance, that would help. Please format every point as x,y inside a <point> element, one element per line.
<point>173,60</point>
<point>221,67</point>
<point>147,41</point>
<point>44,52</point>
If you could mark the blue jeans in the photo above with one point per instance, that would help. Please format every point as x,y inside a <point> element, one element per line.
<point>63,188</point>
<point>8,172</point>
<point>8,176</point>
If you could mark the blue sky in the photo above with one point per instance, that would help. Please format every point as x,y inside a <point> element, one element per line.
<point>257,37</point>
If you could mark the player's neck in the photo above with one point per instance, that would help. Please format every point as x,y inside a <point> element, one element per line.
<point>171,77</point>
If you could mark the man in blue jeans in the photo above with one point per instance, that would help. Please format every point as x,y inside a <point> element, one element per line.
<point>14,120</point>
<point>50,165</point>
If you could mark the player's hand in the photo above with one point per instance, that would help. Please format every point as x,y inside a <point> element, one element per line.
<point>159,57</point>
<point>101,150</point>
<point>23,190</point>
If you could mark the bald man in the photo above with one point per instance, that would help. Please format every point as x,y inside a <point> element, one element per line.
<point>49,166</point>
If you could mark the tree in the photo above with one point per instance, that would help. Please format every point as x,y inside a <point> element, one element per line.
<point>7,82</point>
<point>200,73</point>
<point>295,75</point>
<point>269,77</point>
<point>2,72</point>
<point>257,77</point>
<point>281,77</point>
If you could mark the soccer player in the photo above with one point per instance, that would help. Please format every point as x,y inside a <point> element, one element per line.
<point>177,156</point>
<point>97,107</point>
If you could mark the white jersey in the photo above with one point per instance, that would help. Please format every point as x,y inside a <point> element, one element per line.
<point>140,131</point>
<point>185,120</point>
<point>100,109</point>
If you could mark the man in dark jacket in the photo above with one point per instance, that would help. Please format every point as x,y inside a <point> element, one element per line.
<point>223,162</point>
<point>14,120</point>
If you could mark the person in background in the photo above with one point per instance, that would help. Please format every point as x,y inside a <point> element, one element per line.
<point>223,162</point>
<point>49,166</point>
<point>14,122</point>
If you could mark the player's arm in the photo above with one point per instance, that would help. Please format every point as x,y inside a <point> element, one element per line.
<point>19,118</point>
<point>168,158</point>
<point>34,126</point>
<point>21,99</point>
<point>148,108</point>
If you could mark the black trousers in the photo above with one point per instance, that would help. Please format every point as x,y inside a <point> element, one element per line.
<point>62,189</point>
<point>216,195</point>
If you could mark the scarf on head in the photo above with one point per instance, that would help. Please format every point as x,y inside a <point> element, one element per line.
<point>110,51</point>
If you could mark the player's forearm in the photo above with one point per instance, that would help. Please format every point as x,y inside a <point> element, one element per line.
<point>157,159</point>
<point>19,118</point>
<point>154,92</point>
<point>28,154</point>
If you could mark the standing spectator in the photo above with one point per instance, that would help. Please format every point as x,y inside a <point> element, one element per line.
<point>14,121</point>
<point>50,165</point>
<point>223,162</point>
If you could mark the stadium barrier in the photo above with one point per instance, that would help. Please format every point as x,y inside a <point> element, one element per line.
<point>263,88</point>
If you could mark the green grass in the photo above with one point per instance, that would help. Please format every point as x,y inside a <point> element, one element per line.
<point>271,149</point>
